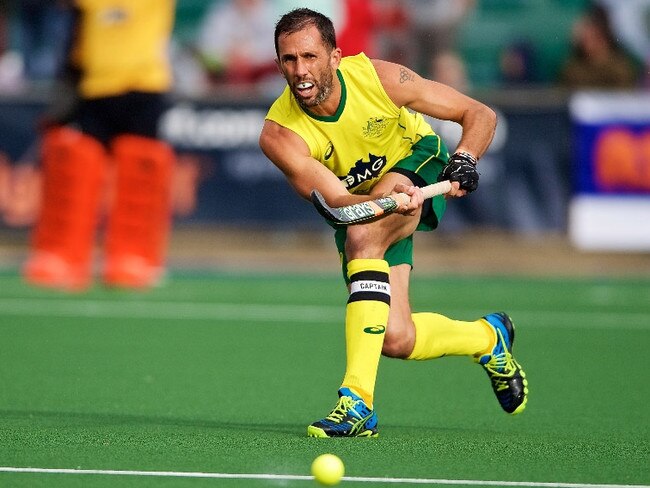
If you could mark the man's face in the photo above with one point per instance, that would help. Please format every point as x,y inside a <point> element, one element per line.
<point>307,66</point>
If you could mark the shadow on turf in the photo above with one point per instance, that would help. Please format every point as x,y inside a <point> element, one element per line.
<point>297,429</point>
<point>102,419</point>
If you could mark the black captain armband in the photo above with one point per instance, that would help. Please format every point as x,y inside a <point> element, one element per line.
<point>461,167</point>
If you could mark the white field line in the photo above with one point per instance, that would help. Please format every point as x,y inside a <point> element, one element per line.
<point>289,477</point>
<point>53,307</point>
<point>168,310</point>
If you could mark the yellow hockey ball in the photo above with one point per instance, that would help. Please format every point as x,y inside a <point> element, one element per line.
<point>328,469</point>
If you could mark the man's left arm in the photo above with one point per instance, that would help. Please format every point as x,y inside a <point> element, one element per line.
<point>407,88</point>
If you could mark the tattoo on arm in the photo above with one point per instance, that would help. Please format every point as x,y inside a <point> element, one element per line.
<point>405,75</point>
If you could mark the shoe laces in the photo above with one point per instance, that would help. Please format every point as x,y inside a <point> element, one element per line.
<point>501,366</point>
<point>342,408</point>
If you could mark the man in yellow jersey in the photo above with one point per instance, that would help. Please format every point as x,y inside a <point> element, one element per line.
<point>120,71</point>
<point>343,126</point>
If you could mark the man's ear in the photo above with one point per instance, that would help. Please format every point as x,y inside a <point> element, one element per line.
<point>335,57</point>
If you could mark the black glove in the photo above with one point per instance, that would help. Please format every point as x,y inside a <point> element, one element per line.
<point>461,167</point>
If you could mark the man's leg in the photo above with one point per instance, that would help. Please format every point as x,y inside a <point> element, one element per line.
<point>429,335</point>
<point>367,315</point>
<point>487,340</point>
<point>365,324</point>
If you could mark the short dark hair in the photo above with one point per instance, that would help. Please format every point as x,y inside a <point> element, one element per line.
<point>300,18</point>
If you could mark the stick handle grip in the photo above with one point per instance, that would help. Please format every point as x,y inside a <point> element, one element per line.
<point>428,191</point>
<point>436,189</point>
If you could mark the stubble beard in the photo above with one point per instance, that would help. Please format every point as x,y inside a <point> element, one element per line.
<point>324,86</point>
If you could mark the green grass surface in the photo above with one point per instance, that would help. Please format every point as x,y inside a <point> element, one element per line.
<point>220,374</point>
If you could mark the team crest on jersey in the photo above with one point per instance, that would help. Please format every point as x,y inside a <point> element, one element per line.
<point>363,171</point>
<point>375,127</point>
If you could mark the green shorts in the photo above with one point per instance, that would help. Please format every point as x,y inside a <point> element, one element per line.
<point>422,167</point>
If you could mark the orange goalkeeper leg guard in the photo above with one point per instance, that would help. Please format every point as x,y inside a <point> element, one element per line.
<point>73,166</point>
<point>140,218</point>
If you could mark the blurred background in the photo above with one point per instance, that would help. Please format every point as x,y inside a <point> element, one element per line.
<point>565,186</point>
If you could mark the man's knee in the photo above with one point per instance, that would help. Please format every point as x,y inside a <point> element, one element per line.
<point>359,242</point>
<point>398,344</point>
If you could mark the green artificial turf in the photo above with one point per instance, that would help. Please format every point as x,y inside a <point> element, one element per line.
<point>221,373</point>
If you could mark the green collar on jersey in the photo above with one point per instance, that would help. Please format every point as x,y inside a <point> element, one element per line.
<point>339,110</point>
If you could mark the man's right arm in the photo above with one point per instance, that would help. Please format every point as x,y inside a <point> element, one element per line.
<point>290,153</point>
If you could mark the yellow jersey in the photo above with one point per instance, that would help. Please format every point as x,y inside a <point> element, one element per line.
<point>122,45</point>
<point>366,136</point>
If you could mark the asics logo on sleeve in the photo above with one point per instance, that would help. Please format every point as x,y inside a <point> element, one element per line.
<point>329,151</point>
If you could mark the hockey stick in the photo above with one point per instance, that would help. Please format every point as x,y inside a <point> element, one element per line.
<point>360,212</point>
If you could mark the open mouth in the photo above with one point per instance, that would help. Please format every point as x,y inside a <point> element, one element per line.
<point>305,88</point>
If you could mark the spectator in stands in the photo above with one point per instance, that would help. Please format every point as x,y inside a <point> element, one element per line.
<point>11,65</point>
<point>119,75</point>
<point>394,40</point>
<point>358,27</point>
<point>597,60</point>
<point>434,26</point>
<point>378,28</point>
<point>4,28</point>
<point>448,68</point>
<point>41,26</point>
<point>232,41</point>
<point>631,23</point>
<point>517,64</point>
